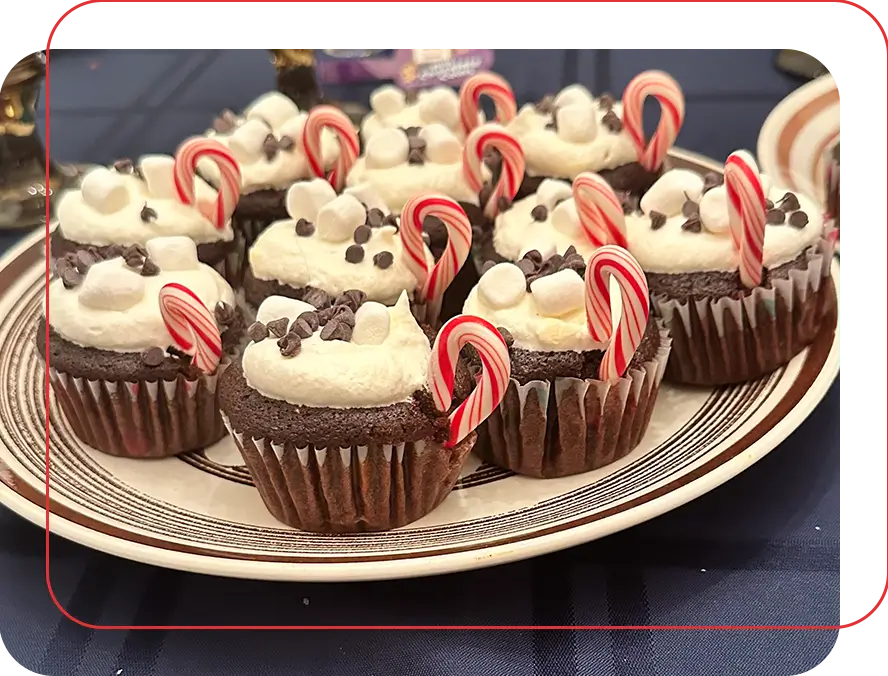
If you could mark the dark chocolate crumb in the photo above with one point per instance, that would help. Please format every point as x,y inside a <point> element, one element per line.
<point>278,327</point>
<point>336,331</point>
<point>693,224</point>
<point>290,345</point>
<point>606,101</point>
<point>612,122</point>
<point>798,219</point>
<point>286,143</point>
<point>317,297</point>
<point>539,213</point>
<point>149,268</point>
<point>375,217</point>
<point>304,228</point>
<point>301,328</point>
<point>362,234</point>
<point>153,356</point>
<point>507,336</point>
<point>789,202</point>
<point>225,314</point>
<point>383,260</point>
<point>775,217</point>
<point>310,318</point>
<point>354,254</point>
<point>257,332</point>
<point>71,278</point>
<point>658,220</point>
<point>148,214</point>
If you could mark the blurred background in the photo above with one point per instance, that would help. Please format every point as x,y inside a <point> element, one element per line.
<point>111,104</point>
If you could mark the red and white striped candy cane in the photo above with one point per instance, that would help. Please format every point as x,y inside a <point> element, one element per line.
<point>747,214</point>
<point>489,84</point>
<point>434,283</point>
<point>491,384</point>
<point>320,118</point>
<point>606,262</point>
<point>482,139</point>
<point>191,325</point>
<point>672,108</point>
<point>600,210</point>
<point>187,157</point>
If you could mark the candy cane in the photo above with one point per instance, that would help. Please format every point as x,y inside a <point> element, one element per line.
<point>666,90</point>
<point>483,138</point>
<point>459,241</point>
<point>746,214</point>
<point>191,325</point>
<point>600,210</point>
<point>491,385</point>
<point>606,262</point>
<point>188,155</point>
<point>493,86</point>
<point>349,147</point>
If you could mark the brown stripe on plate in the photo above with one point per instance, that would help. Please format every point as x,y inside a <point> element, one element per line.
<point>791,130</point>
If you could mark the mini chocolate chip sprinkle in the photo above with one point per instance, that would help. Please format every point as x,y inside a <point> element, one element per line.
<point>690,208</point>
<point>290,345</point>
<point>362,234</point>
<point>317,297</point>
<point>535,256</point>
<point>507,335</point>
<point>606,101</point>
<point>336,331</point>
<point>711,180</point>
<point>775,217</point>
<point>278,327</point>
<point>798,219</point>
<point>270,147</point>
<point>149,268</point>
<point>375,217</point>
<point>153,356</point>
<point>391,219</point>
<point>148,214</point>
<point>539,213</point>
<point>504,203</point>
<point>383,260</point>
<point>225,314</point>
<point>301,328</point>
<point>416,142</point>
<point>135,250</point>
<point>693,224</point>
<point>304,228</point>
<point>124,165</point>
<point>286,143</point>
<point>769,204</point>
<point>790,202</point>
<point>71,278</point>
<point>416,157</point>
<point>570,251</point>
<point>134,261</point>
<point>310,318</point>
<point>257,332</point>
<point>658,220</point>
<point>525,265</point>
<point>354,254</point>
<point>612,122</point>
<point>489,264</point>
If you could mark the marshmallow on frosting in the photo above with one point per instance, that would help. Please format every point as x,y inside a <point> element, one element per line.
<point>109,285</point>
<point>671,191</point>
<point>391,110</point>
<point>337,220</point>
<point>105,190</point>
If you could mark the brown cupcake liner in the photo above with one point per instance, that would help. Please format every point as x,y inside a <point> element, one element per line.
<point>355,489</point>
<point>549,429</point>
<point>145,419</point>
<point>731,340</point>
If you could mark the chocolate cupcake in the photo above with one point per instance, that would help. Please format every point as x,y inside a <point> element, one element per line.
<point>333,243</point>
<point>573,132</point>
<point>736,311</point>
<point>158,196</point>
<point>393,108</point>
<point>586,361</point>
<point>335,419</point>
<point>127,383</point>
<point>832,192</point>
<point>267,141</point>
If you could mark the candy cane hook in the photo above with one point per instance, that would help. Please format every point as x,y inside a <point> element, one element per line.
<point>487,137</point>
<point>188,155</point>
<point>600,211</point>
<point>486,84</point>
<point>672,109</point>
<point>191,325</point>
<point>319,118</point>
<point>747,214</point>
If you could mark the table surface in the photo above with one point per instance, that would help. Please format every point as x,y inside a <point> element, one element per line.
<point>761,550</point>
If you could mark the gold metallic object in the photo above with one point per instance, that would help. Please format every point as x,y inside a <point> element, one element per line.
<point>290,58</point>
<point>296,76</point>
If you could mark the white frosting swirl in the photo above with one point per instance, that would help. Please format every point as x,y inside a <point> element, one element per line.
<point>575,149</point>
<point>339,374</point>
<point>136,323</point>
<point>275,114</point>
<point>673,250</point>
<point>88,218</point>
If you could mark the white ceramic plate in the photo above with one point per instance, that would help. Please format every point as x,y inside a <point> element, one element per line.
<point>200,513</point>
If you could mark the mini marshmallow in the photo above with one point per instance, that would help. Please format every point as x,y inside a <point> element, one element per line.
<point>714,210</point>
<point>503,285</point>
<point>173,253</point>
<point>572,94</point>
<point>275,307</point>
<point>274,108</point>
<point>576,122</point>
<point>442,147</point>
<point>671,191</point>
<point>557,294</point>
<point>552,191</point>
<point>440,104</point>
<point>544,245</point>
<point>293,128</point>
<point>337,220</point>
<point>565,218</point>
<point>157,171</point>
<point>372,322</point>
<point>369,195</point>
<point>305,198</point>
<point>387,101</point>
<point>104,190</point>
<point>247,141</point>
<point>109,285</point>
<point>387,148</point>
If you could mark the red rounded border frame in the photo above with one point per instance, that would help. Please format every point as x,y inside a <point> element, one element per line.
<point>201,24</point>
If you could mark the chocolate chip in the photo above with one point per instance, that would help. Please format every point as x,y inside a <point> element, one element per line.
<point>530,279</point>
<point>123,165</point>
<point>416,157</point>
<point>148,214</point>
<point>693,224</point>
<point>225,314</point>
<point>790,202</point>
<point>354,254</point>
<point>344,315</point>
<point>546,105</point>
<point>278,327</point>
<point>775,217</point>
<point>570,251</point>
<point>226,121</point>
<point>257,332</point>
<point>362,234</point>
<point>535,256</point>
<point>317,297</point>
<point>412,131</point>
<point>153,356</point>
<point>799,219</point>
<point>576,263</point>
<point>606,101</point>
<point>84,261</point>
<point>286,143</point>
<point>383,260</point>
<point>539,213</point>
<point>310,318</point>
<point>150,268</point>
<point>658,220</point>
<point>416,142</point>
<point>270,147</point>
<point>375,217</point>
<point>301,328</point>
<point>507,335</point>
<point>114,251</point>
<point>489,264</point>
<point>352,299</point>
<point>290,345</point>
<point>304,228</point>
<point>690,208</point>
<point>71,278</point>
<point>134,261</point>
<point>504,203</point>
<point>551,265</point>
<point>391,219</point>
<point>336,331</point>
<point>528,267</point>
<point>712,180</point>
<point>135,250</point>
<point>612,122</point>
<point>769,204</point>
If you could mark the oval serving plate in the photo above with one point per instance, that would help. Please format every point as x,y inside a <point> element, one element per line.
<point>200,512</point>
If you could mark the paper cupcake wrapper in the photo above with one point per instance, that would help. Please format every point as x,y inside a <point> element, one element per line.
<point>732,340</point>
<point>353,489</point>
<point>557,428</point>
<point>142,419</point>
